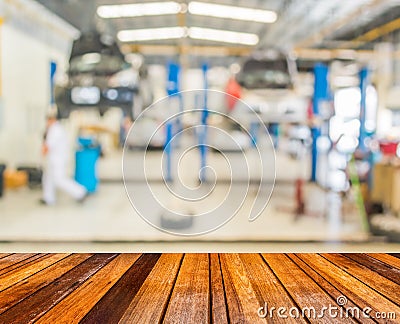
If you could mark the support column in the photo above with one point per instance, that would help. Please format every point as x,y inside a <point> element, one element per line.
<point>364,82</point>
<point>321,94</point>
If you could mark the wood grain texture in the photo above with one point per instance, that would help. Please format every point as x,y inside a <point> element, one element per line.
<point>3,255</point>
<point>296,282</point>
<point>77,304</point>
<point>44,299</point>
<point>11,277</point>
<point>243,302</point>
<point>370,278</point>
<point>377,266</point>
<point>195,288</point>
<point>386,258</point>
<point>324,284</point>
<point>28,286</point>
<point>111,307</point>
<point>219,312</point>
<point>190,299</point>
<point>361,294</point>
<point>396,255</point>
<point>16,260</point>
<point>269,288</point>
<point>151,301</point>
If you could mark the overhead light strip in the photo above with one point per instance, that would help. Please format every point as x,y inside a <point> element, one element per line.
<point>225,36</point>
<point>232,12</point>
<point>139,9</point>
<point>194,7</point>
<point>136,35</point>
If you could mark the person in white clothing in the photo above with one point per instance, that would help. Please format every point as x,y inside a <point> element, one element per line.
<point>55,149</point>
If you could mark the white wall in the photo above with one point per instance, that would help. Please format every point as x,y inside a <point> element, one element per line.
<point>29,42</point>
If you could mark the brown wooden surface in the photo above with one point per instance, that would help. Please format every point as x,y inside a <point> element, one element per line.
<point>190,301</point>
<point>196,288</point>
<point>293,279</point>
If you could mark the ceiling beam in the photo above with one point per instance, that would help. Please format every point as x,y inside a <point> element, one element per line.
<point>319,36</point>
<point>187,50</point>
<point>316,54</point>
<point>373,34</point>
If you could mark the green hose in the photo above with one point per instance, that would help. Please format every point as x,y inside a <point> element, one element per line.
<point>355,180</point>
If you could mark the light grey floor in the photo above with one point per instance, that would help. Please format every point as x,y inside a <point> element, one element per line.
<point>199,247</point>
<point>107,222</point>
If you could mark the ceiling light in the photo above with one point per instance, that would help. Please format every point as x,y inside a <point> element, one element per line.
<point>226,36</point>
<point>139,9</point>
<point>232,12</point>
<point>134,35</point>
<point>223,36</point>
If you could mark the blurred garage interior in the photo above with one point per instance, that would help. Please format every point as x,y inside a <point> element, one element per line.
<point>291,104</point>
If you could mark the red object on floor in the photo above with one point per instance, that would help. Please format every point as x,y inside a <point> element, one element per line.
<point>300,205</point>
<point>388,148</point>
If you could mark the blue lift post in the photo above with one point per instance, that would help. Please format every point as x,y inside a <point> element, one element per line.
<point>173,88</point>
<point>369,156</point>
<point>203,131</point>
<point>254,130</point>
<point>364,82</point>
<point>53,69</point>
<point>168,151</point>
<point>321,94</point>
<point>173,91</point>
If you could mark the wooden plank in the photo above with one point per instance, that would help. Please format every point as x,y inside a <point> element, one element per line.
<point>28,286</point>
<point>268,289</point>
<point>384,286</point>
<point>324,284</point>
<point>151,301</point>
<point>396,255</point>
<point>12,277</point>
<point>242,302</point>
<point>13,261</point>
<point>77,304</point>
<point>3,255</point>
<point>309,297</point>
<point>376,265</point>
<point>388,259</point>
<point>121,294</point>
<point>218,302</point>
<point>37,304</point>
<point>245,294</point>
<point>353,289</point>
<point>190,299</point>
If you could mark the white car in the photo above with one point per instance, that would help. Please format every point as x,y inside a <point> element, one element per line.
<point>268,88</point>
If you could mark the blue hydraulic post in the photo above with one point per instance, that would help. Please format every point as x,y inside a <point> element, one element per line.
<point>321,93</point>
<point>173,78</point>
<point>254,129</point>
<point>173,88</point>
<point>364,81</point>
<point>168,151</point>
<point>203,131</point>
<point>53,69</point>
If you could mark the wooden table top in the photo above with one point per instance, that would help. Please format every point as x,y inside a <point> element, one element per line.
<point>199,288</point>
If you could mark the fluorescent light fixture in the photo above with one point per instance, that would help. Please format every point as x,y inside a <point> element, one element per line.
<point>223,36</point>
<point>226,36</point>
<point>232,12</point>
<point>134,35</point>
<point>139,9</point>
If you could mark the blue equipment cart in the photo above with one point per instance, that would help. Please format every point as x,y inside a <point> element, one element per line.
<point>86,158</point>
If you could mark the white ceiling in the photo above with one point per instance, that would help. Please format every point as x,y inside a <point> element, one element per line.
<point>300,23</point>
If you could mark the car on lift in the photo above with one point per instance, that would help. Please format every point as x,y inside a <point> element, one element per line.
<point>268,87</point>
<point>96,78</point>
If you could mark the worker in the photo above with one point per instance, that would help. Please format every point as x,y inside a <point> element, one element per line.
<point>55,150</point>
